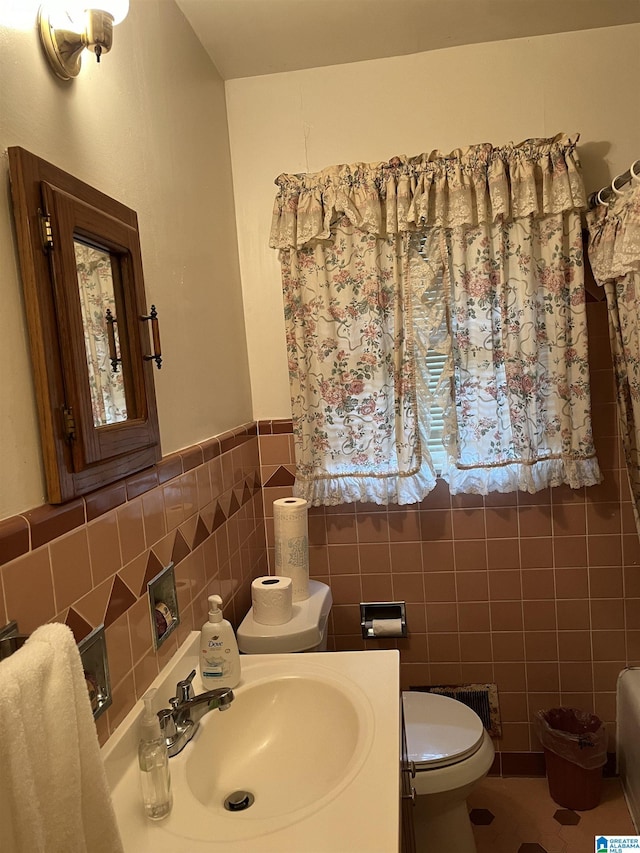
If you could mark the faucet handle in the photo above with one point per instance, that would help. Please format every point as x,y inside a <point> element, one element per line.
<point>167,723</point>
<point>184,688</point>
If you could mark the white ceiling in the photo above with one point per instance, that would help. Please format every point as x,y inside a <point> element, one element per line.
<point>246,38</point>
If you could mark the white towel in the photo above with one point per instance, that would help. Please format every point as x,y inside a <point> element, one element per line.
<point>54,796</point>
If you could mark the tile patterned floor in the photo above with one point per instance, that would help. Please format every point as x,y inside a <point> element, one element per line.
<point>515,815</point>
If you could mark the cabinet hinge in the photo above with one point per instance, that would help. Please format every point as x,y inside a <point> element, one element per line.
<point>69,424</point>
<point>46,231</point>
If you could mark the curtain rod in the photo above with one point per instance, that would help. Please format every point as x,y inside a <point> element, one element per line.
<point>604,195</point>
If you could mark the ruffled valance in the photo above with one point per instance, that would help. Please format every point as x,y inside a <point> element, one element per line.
<point>614,237</point>
<point>469,186</point>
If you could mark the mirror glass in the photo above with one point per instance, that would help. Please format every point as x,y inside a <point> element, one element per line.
<point>97,297</point>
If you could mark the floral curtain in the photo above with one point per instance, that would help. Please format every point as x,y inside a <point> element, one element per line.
<point>351,371</point>
<point>521,377</point>
<point>614,254</point>
<point>475,255</point>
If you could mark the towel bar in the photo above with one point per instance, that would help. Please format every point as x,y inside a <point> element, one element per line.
<point>10,639</point>
<point>93,653</point>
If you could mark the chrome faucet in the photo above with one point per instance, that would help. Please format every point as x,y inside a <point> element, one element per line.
<point>180,722</point>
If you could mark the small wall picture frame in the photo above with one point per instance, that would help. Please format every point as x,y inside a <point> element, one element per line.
<point>163,605</point>
<point>93,653</point>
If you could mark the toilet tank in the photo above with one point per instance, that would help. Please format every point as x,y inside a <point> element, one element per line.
<point>306,631</point>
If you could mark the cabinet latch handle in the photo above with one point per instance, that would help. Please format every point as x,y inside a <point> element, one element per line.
<point>155,333</point>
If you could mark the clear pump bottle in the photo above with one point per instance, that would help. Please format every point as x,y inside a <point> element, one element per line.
<point>153,760</point>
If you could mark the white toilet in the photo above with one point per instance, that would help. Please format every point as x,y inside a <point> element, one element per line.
<point>451,751</point>
<point>306,631</point>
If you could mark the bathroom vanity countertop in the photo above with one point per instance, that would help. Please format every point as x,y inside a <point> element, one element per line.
<point>361,812</point>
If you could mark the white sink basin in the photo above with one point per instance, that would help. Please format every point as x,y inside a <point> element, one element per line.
<point>312,737</point>
<point>290,740</point>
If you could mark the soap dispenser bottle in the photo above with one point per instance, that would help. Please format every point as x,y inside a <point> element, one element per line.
<point>219,655</point>
<point>153,760</point>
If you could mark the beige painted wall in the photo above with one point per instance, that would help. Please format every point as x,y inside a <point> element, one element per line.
<point>147,126</point>
<point>306,120</point>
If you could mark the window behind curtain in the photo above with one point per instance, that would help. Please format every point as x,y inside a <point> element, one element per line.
<point>434,360</point>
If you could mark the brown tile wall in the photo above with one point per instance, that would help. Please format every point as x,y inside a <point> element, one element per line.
<point>88,562</point>
<point>539,593</point>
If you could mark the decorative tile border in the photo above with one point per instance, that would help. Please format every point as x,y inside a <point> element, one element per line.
<point>29,530</point>
<point>91,559</point>
<point>282,476</point>
<point>127,586</point>
<point>275,427</point>
<point>14,538</point>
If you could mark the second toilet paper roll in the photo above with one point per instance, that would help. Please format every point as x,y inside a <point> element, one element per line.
<point>292,543</point>
<point>386,627</point>
<point>272,600</point>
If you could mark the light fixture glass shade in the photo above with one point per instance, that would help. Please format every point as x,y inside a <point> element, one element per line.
<point>118,9</point>
<point>67,27</point>
<point>63,15</point>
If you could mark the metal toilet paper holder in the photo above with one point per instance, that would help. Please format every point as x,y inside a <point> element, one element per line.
<point>382,610</point>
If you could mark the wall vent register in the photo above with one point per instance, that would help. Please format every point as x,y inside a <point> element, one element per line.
<point>481,698</point>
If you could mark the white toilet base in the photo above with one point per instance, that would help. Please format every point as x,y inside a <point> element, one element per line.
<point>440,815</point>
<point>442,825</point>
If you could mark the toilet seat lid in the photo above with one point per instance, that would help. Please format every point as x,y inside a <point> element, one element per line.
<point>439,730</point>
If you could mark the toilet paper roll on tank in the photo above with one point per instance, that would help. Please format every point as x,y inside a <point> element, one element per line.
<point>272,600</point>
<point>291,539</point>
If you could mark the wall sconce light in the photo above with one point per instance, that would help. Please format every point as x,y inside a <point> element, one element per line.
<point>67,28</point>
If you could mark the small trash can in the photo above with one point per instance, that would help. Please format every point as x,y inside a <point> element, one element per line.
<point>575,751</point>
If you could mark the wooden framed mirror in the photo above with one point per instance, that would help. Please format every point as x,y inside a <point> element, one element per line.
<point>88,328</point>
